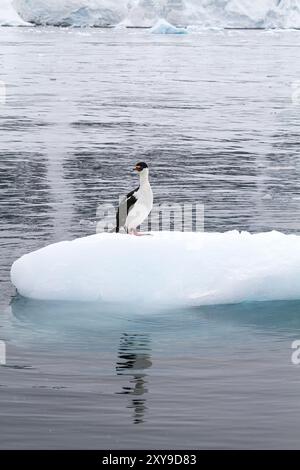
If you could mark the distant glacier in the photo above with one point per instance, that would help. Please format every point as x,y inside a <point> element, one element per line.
<point>145,13</point>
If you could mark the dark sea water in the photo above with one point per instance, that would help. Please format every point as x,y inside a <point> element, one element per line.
<point>216,115</point>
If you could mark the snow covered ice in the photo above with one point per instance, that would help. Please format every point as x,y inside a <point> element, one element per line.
<point>165,268</point>
<point>9,16</point>
<point>206,13</point>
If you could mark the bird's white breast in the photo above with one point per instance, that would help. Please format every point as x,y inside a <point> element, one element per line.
<point>141,208</point>
<point>144,196</point>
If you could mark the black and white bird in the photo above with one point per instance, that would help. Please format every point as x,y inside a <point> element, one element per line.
<point>137,205</point>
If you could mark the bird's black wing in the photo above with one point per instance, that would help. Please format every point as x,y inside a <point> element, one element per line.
<point>124,208</point>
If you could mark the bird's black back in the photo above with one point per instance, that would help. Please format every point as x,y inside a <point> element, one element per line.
<point>124,208</point>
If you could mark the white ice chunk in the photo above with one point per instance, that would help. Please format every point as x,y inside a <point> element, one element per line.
<point>165,268</point>
<point>163,27</point>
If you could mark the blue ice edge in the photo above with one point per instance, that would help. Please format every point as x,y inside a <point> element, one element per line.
<point>163,27</point>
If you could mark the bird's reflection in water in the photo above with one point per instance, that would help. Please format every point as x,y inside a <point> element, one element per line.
<point>133,359</point>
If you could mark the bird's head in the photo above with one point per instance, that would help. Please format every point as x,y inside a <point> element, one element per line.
<point>141,168</point>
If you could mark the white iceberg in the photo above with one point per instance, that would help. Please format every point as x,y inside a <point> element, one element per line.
<point>163,27</point>
<point>166,268</point>
<point>205,13</point>
<point>80,13</point>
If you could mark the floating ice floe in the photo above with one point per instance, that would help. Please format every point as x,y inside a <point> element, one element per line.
<point>165,268</point>
<point>163,27</point>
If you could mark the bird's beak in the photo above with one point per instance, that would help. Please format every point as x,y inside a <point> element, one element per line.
<point>137,168</point>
